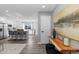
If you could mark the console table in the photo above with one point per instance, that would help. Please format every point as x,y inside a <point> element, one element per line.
<point>59,44</point>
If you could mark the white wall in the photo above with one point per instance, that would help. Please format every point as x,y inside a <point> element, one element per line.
<point>34,24</point>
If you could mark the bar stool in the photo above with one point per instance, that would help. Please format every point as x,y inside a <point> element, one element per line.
<point>24,34</point>
<point>21,34</point>
<point>15,34</point>
<point>11,34</point>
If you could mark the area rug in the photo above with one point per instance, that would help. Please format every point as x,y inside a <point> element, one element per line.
<point>17,39</point>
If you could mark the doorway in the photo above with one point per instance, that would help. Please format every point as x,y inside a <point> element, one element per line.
<point>45,28</point>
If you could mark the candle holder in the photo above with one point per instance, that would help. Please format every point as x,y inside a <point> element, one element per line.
<point>66,42</point>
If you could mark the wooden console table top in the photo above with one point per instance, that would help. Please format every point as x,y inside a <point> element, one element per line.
<point>59,44</point>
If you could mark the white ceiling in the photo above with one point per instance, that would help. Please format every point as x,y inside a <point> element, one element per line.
<point>24,9</point>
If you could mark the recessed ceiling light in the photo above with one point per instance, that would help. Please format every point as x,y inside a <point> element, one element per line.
<point>43,6</point>
<point>6,11</point>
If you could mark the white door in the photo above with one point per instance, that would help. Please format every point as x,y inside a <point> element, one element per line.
<point>45,28</point>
